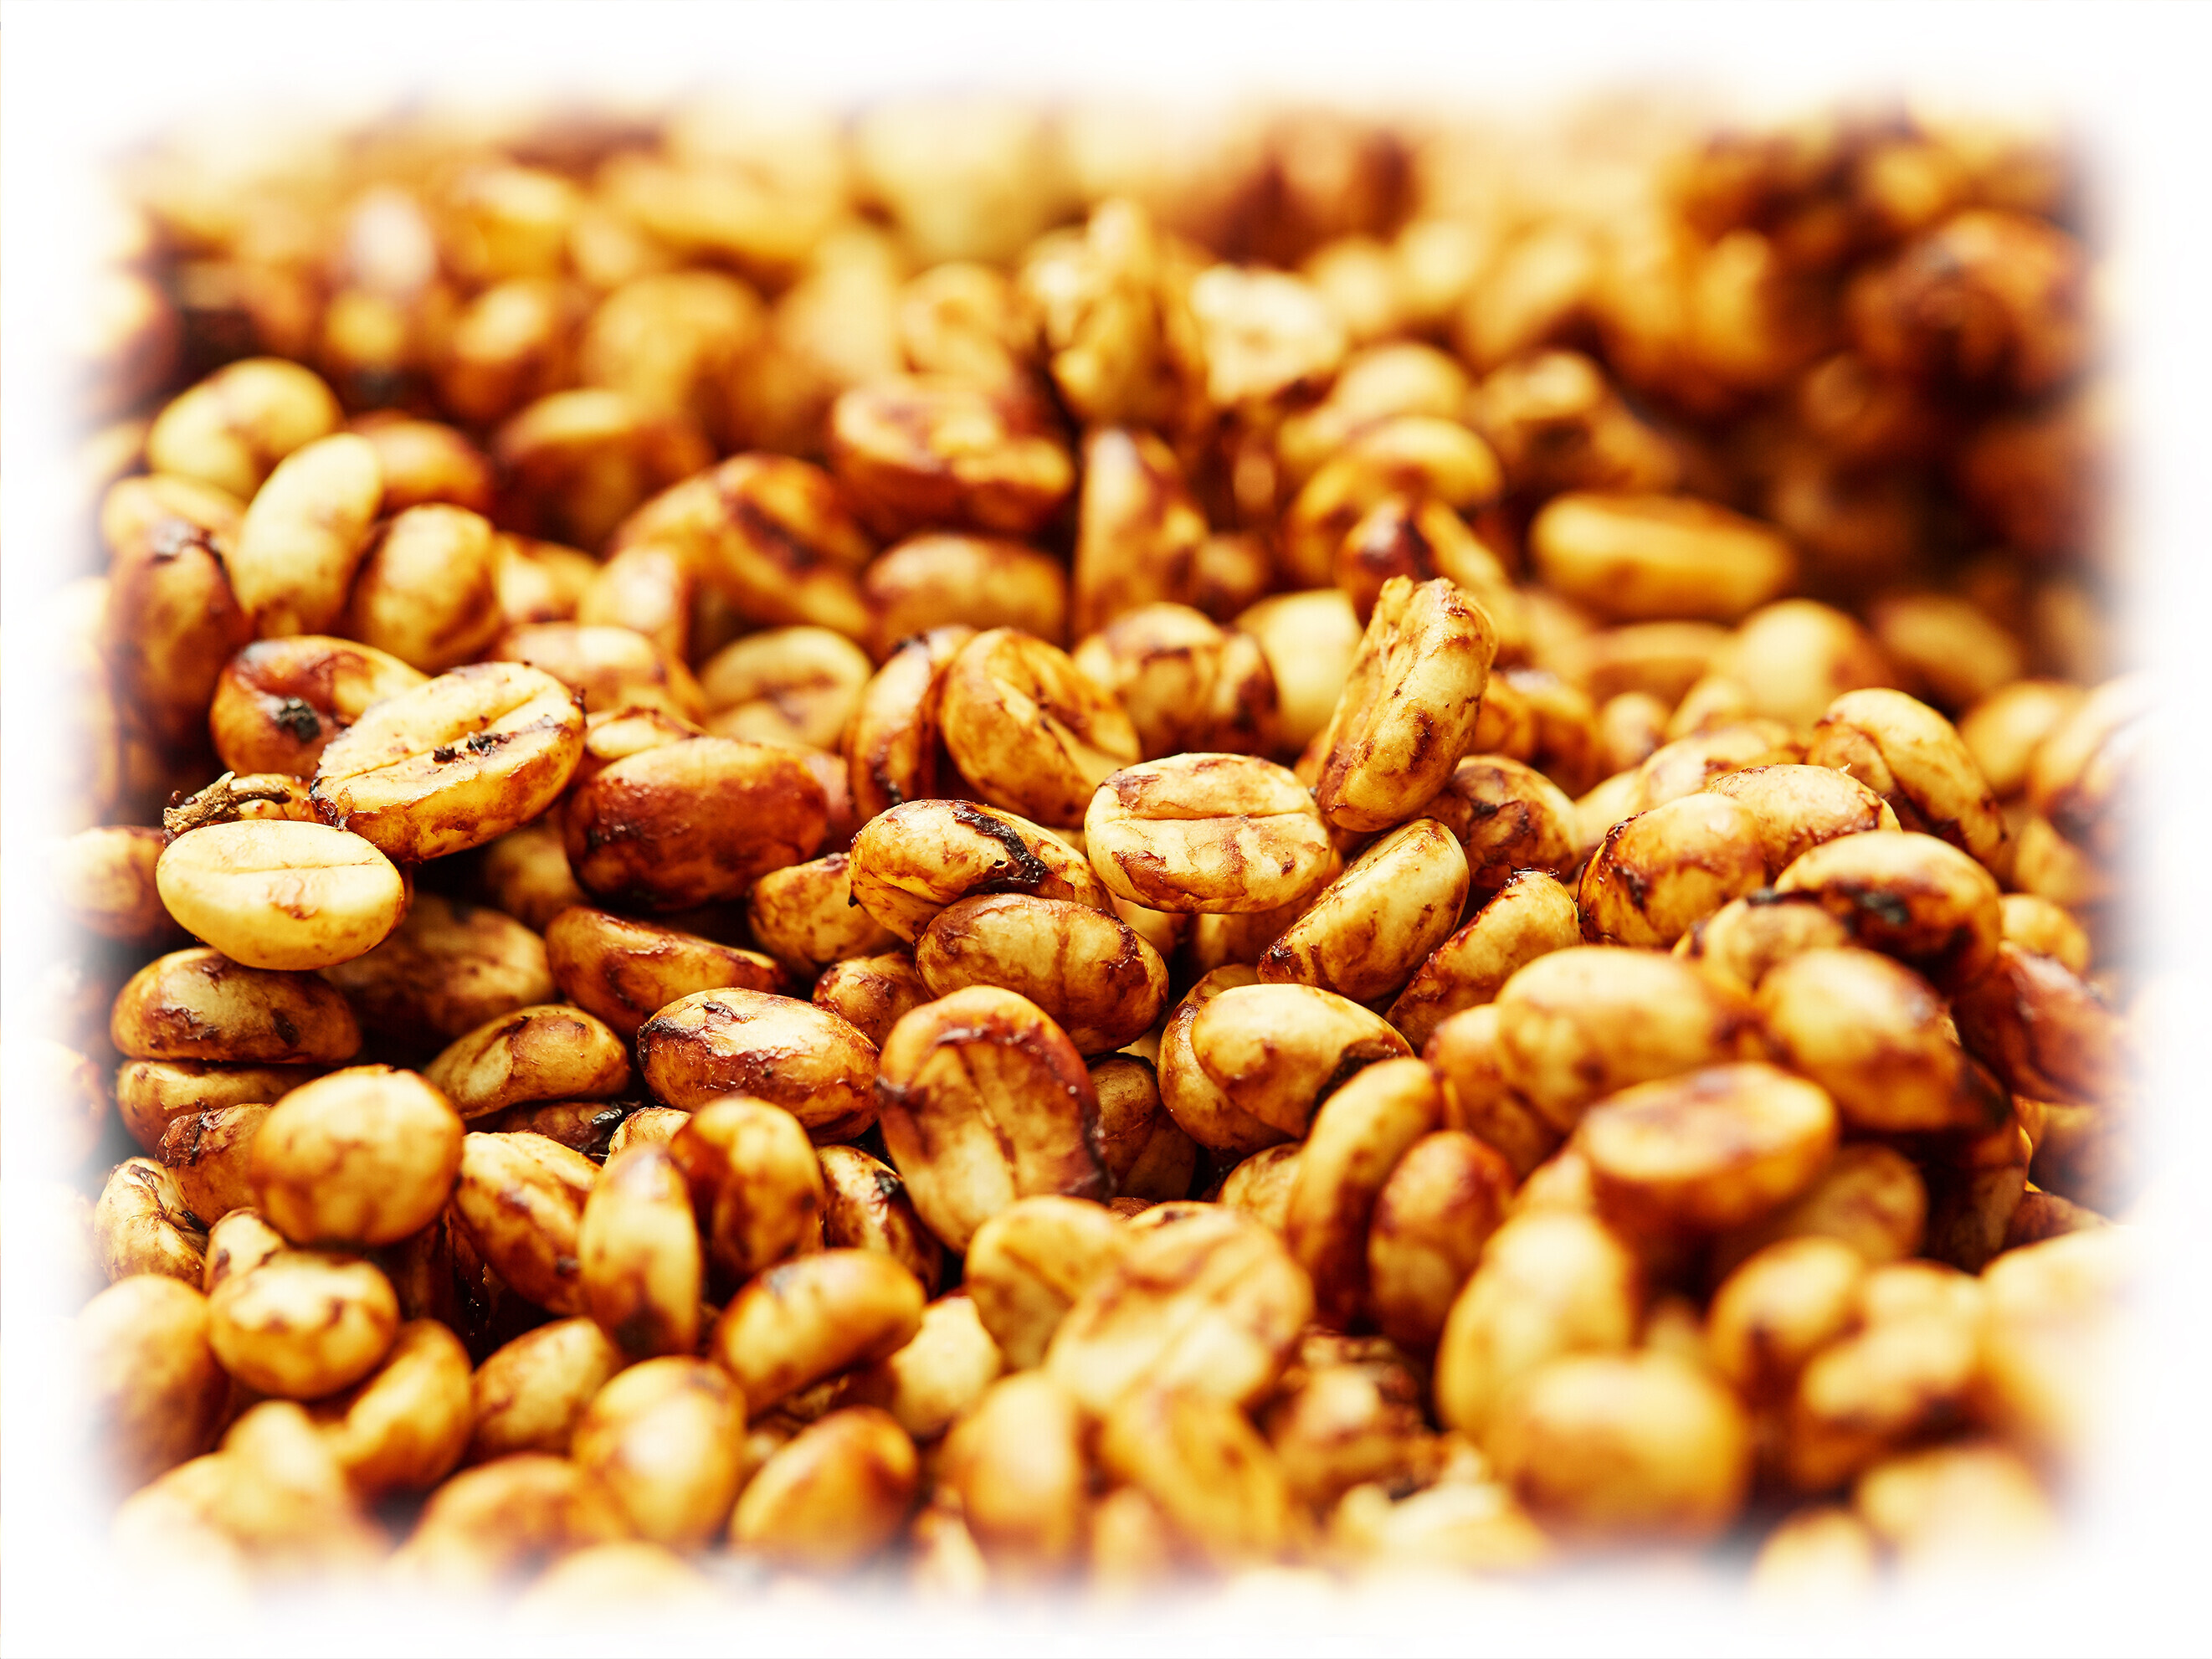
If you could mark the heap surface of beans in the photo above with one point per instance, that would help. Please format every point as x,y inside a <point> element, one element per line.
<point>1015,848</point>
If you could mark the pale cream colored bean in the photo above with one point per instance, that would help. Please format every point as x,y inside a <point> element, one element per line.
<point>1658,873</point>
<point>665,1438</point>
<point>1209,832</point>
<point>1211,1303</point>
<point>275,1492</point>
<point>1365,933</point>
<point>72,1098</point>
<point>1356,1137</point>
<point>303,1324</point>
<point>303,536</point>
<point>1531,915</point>
<point>2003,731</point>
<point>834,1496</point>
<point>812,1318</point>
<point>1956,647</point>
<point>1630,726</point>
<point>1027,1265</point>
<point>648,1126</point>
<point>233,427</point>
<point>529,1394</point>
<point>201,1006</point>
<point>985,1101</point>
<point>638,1255</point>
<point>520,1199</point>
<point>1086,969</point>
<point>549,1052</point>
<point>367,1155</point>
<point>754,1184</point>
<point>1794,657</point>
<point>1409,706</point>
<point>1969,1504</point>
<point>584,1586</point>
<point>453,763</point>
<point>790,1054</point>
<point>274,894</point>
<point>866,1208</point>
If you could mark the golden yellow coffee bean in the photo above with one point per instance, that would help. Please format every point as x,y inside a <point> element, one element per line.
<point>453,763</point>
<point>271,893</point>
